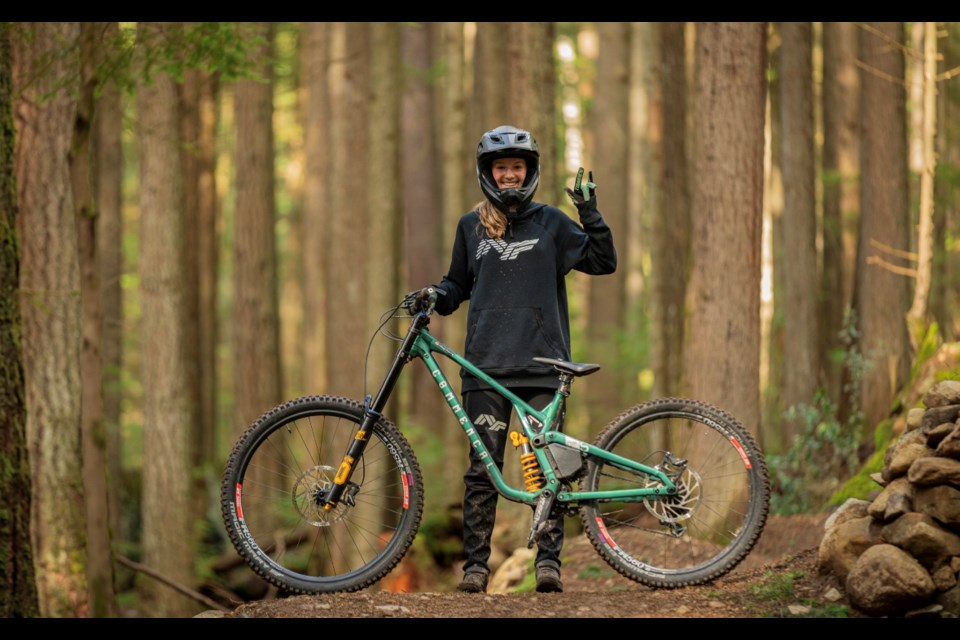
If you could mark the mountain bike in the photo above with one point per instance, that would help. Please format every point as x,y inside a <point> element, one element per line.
<point>325,494</point>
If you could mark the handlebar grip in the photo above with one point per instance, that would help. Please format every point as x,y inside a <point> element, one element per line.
<point>425,300</point>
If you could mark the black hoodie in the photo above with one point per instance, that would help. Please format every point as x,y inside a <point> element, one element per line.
<point>517,292</point>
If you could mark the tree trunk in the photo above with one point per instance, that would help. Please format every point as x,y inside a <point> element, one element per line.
<point>456,156</point>
<point>917,316</point>
<point>208,270</point>
<point>841,197</point>
<point>422,217</point>
<point>315,60</point>
<point>609,119</point>
<point>644,103</point>
<point>945,291</point>
<point>198,298</point>
<point>882,290</point>
<point>257,382</point>
<point>347,249</point>
<point>256,343</point>
<point>18,588</point>
<point>107,150</point>
<point>100,584</point>
<point>670,244</point>
<point>799,250</point>
<point>490,104</point>
<point>167,412</point>
<point>723,348</point>
<point>45,108</point>
<point>772,269</point>
<point>531,95</point>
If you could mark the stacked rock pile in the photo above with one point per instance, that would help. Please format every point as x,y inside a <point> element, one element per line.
<point>899,554</point>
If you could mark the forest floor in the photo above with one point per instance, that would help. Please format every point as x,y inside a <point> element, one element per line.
<point>778,579</point>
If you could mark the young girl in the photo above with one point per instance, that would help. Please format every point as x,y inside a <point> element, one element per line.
<point>510,259</point>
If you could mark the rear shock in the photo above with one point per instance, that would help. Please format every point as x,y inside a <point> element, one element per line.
<point>532,476</point>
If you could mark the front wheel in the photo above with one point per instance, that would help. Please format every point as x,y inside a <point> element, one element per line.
<point>704,530</point>
<point>273,488</point>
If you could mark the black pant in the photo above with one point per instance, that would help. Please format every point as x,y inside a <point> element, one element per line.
<point>490,414</point>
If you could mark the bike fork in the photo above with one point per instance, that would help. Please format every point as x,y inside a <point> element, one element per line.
<point>372,412</point>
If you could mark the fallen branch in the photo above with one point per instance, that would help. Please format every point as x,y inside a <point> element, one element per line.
<point>136,566</point>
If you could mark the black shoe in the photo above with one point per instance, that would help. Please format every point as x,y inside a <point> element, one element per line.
<point>548,579</point>
<point>473,582</point>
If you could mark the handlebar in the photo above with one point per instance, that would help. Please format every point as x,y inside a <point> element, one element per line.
<point>421,300</point>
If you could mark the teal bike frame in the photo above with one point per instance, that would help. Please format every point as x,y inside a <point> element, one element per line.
<point>419,343</point>
<point>425,345</point>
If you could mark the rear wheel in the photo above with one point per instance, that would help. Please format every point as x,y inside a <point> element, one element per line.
<point>706,529</point>
<point>272,491</point>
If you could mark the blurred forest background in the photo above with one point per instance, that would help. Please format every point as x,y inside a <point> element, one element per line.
<point>201,220</point>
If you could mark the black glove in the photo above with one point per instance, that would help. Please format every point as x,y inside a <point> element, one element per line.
<point>421,299</point>
<point>583,195</point>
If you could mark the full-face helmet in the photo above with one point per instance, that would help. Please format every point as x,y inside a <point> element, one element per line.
<point>508,142</point>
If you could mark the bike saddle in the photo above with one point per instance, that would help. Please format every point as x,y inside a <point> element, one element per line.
<point>573,368</point>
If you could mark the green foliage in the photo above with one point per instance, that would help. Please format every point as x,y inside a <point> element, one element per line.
<point>776,587</point>
<point>444,548</point>
<point>927,346</point>
<point>825,450</point>
<point>223,48</point>
<point>829,611</point>
<point>529,582</point>
<point>595,572</point>
<point>861,485</point>
<point>779,589</point>
<point>949,374</point>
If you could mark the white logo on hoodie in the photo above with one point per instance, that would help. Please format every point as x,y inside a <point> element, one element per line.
<point>507,251</point>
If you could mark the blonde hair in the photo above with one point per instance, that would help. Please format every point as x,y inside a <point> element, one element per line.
<point>492,219</point>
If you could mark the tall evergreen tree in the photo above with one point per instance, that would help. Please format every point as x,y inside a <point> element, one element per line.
<point>882,293</point>
<point>100,582</point>
<point>167,411</point>
<point>723,350</point>
<point>45,85</point>
<point>18,589</point>
<point>799,224</point>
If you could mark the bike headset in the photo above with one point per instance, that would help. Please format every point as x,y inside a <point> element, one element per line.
<point>508,142</point>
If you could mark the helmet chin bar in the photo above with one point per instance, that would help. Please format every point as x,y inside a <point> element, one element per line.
<point>512,199</point>
<point>509,201</point>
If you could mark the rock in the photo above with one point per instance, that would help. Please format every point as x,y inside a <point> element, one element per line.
<point>938,434</point>
<point>915,418</point>
<point>912,446</point>
<point>885,580</point>
<point>512,571</point>
<point>944,578</point>
<point>942,503</point>
<point>939,415</point>
<point>844,543</point>
<point>949,447</point>
<point>932,470</point>
<point>900,492</point>
<point>832,595</point>
<point>852,508</point>
<point>943,393</point>
<point>920,536</point>
<point>950,601</point>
